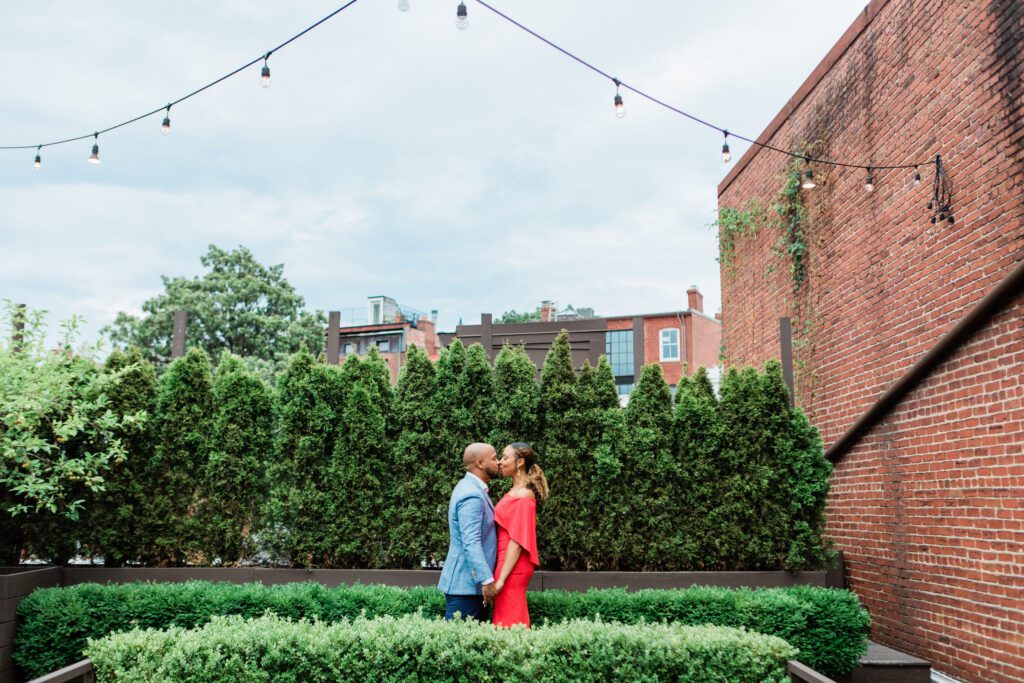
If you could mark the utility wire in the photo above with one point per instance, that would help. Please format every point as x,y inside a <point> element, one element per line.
<point>167,106</point>
<point>701,121</point>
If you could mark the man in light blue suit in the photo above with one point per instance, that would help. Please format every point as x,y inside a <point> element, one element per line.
<point>467,579</point>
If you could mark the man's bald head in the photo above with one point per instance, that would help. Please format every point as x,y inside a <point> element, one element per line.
<point>482,460</point>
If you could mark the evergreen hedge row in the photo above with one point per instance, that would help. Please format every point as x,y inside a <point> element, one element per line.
<point>230,649</point>
<point>333,467</point>
<point>828,626</point>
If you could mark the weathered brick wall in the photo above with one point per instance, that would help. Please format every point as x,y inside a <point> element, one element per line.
<point>929,507</point>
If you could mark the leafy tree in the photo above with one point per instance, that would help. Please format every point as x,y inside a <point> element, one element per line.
<point>309,403</point>
<point>238,305</point>
<point>417,506</point>
<point>112,521</point>
<point>58,436</point>
<point>234,477</point>
<point>454,421</point>
<point>653,472</point>
<point>514,316</point>
<point>184,421</point>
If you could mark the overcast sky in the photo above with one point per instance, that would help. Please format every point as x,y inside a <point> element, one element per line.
<point>470,172</point>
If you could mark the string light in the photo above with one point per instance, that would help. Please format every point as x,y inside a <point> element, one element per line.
<point>165,127</point>
<point>942,196</point>
<point>94,158</point>
<point>265,74</point>
<point>869,184</point>
<point>808,183</point>
<point>620,108</point>
<point>38,164</point>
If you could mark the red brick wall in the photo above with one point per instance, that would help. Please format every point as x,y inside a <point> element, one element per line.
<point>929,507</point>
<point>704,344</point>
<point>672,370</point>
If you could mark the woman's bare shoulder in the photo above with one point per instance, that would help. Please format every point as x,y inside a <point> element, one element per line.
<point>524,492</point>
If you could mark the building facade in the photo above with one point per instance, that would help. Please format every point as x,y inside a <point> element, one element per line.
<point>927,498</point>
<point>679,341</point>
<point>383,324</point>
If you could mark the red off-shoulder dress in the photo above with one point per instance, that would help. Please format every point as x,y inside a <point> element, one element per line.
<point>517,520</point>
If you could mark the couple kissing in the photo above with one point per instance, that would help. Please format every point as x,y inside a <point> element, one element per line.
<point>492,553</point>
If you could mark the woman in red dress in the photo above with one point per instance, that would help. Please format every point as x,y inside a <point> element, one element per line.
<point>516,518</point>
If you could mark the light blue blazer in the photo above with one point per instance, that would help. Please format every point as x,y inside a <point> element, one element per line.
<point>473,548</point>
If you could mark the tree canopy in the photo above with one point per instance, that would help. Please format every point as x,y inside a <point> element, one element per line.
<point>238,305</point>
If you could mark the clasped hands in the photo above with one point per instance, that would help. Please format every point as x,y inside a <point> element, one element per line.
<point>491,590</point>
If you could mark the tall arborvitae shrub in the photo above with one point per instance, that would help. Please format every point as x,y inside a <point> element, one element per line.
<point>112,522</point>
<point>600,446</point>
<point>235,482</point>
<point>416,499</point>
<point>808,474</point>
<point>452,419</point>
<point>654,473</point>
<point>695,443</point>
<point>561,527</point>
<point>184,417</point>
<point>516,398</point>
<point>309,402</point>
<point>360,468</point>
<point>478,393</point>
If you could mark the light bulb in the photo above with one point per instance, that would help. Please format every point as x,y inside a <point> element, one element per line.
<point>403,5</point>
<point>95,157</point>
<point>265,76</point>
<point>38,163</point>
<point>461,17</point>
<point>869,184</point>
<point>917,177</point>
<point>165,127</point>
<point>809,183</point>
<point>726,154</point>
<point>620,109</point>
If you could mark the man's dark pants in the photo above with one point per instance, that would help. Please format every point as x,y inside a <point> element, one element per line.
<point>469,606</point>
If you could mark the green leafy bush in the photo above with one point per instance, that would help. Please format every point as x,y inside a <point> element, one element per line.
<point>412,648</point>
<point>828,626</point>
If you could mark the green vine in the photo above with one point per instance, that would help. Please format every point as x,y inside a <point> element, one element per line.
<point>733,224</point>
<point>789,211</point>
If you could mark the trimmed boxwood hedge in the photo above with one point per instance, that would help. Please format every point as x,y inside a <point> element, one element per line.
<point>828,626</point>
<point>233,649</point>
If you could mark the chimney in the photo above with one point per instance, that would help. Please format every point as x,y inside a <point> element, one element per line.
<point>694,299</point>
<point>547,311</point>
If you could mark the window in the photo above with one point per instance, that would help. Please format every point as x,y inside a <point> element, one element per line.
<point>350,348</point>
<point>384,345</point>
<point>618,346</point>
<point>670,344</point>
<point>375,320</point>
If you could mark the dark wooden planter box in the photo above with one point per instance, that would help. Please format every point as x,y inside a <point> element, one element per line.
<point>17,582</point>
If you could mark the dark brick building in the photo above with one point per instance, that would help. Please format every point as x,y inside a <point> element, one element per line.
<point>927,497</point>
<point>680,341</point>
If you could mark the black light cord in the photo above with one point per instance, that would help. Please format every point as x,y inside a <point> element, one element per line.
<point>699,120</point>
<point>262,57</point>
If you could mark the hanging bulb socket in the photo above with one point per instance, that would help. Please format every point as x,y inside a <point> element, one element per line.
<point>620,108</point>
<point>38,163</point>
<point>265,74</point>
<point>726,154</point>
<point>869,184</point>
<point>917,177</point>
<point>165,127</point>
<point>94,158</point>
<point>461,17</point>
<point>808,183</point>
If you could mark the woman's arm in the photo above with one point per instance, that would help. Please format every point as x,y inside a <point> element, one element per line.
<point>511,557</point>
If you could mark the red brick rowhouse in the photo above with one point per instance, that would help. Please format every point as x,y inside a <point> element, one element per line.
<point>927,503</point>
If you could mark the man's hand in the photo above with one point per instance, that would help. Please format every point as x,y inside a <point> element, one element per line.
<point>490,590</point>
